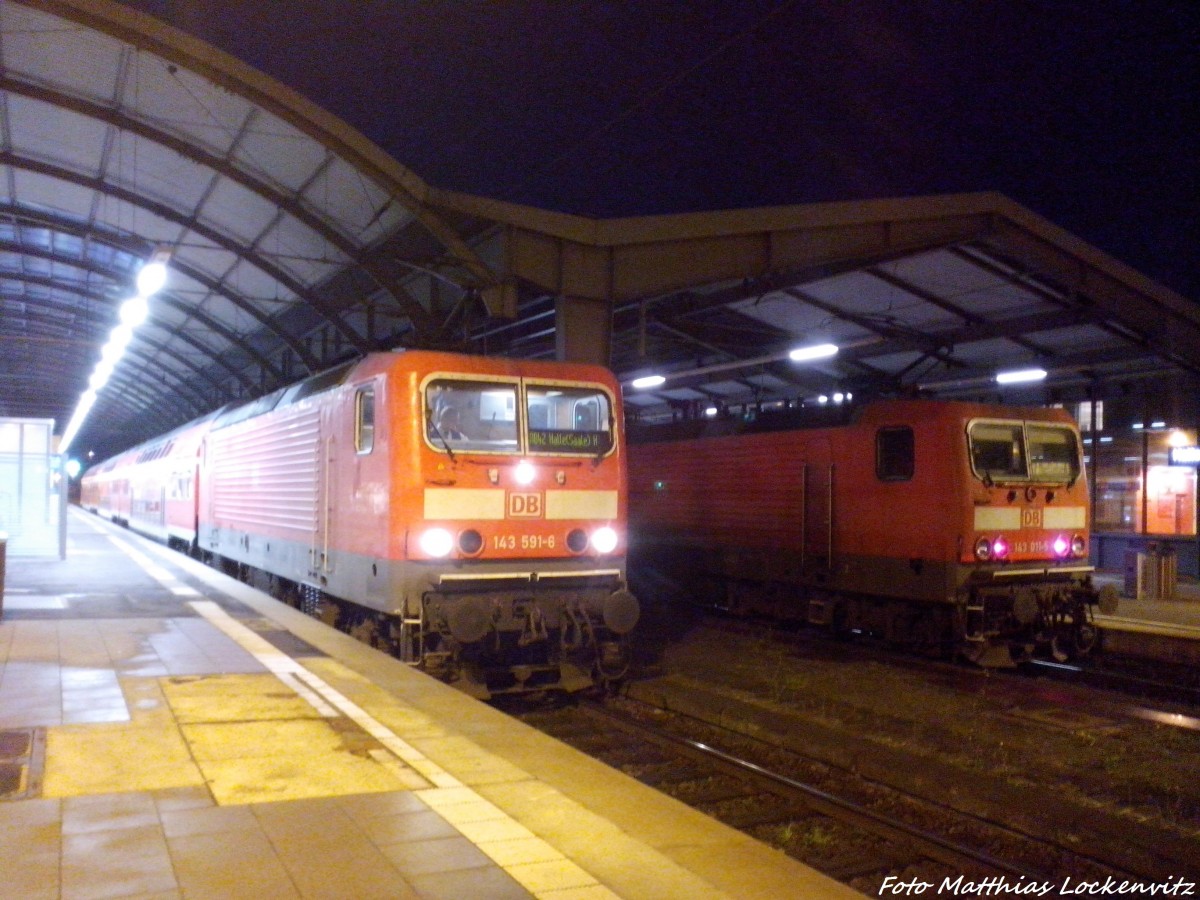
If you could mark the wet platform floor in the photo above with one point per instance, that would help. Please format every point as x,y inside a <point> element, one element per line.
<point>168,732</point>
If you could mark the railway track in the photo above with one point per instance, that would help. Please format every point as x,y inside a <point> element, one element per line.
<point>1175,685</point>
<point>861,835</point>
<point>1163,683</point>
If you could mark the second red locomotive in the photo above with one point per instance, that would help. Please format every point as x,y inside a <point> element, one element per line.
<point>468,514</point>
<point>937,524</point>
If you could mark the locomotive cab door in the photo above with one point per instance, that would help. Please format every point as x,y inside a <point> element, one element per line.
<point>818,506</point>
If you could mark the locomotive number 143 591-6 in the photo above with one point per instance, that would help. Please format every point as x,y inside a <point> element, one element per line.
<point>523,542</point>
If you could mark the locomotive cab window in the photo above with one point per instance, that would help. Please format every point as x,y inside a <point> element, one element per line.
<point>1053,453</point>
<point>569,420</point>
<point>998,450</point>
<point>1024,451</point>
<point>364,420</point>
<point>894,455</point>
<point>471,415</point>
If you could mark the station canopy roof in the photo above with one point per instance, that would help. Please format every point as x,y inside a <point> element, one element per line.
<point>294,243</point>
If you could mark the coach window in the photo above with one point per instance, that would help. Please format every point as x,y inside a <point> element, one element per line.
<point>894,456</point>
<point>364,420</point>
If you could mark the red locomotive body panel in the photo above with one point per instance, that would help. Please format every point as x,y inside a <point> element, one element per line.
<point>978,510</point>
<point>356,496</point>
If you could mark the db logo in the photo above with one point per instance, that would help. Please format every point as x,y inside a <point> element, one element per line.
<point>1031,518</point>
<point>525,506</point>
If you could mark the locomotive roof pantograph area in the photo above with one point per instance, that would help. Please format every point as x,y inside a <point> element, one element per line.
<point>294,244</point>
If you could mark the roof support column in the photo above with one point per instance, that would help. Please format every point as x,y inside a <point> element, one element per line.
<point>582,330</point>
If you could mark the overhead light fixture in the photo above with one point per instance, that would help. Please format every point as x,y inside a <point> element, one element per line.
<point>648,381</point>
<point>133,311</point>
<point>1020,376</point>
<point>808,354</point>
<point>151,279</point>
<point>153,275</point>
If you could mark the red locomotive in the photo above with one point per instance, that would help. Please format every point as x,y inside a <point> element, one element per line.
<point>467,514</point>
<point>937,524</point>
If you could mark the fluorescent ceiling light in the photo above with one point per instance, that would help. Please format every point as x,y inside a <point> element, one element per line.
<point>648,381</point>
<point>818,351</point>
<point>151,278</point>
<point>1019,376</point>
<point>134,310</point>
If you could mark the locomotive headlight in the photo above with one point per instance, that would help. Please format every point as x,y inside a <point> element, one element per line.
<point>524,472</point>
<point>436,542</point>
<point>604,540</point>
<point>983,549</point>
<point>1078,545</point>
<point>1000,548</point>
<point>1061,546</point>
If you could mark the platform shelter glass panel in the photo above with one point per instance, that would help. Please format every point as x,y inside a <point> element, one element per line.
<point>32,489</point>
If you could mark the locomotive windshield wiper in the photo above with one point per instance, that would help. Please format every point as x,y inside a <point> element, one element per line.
<point>612,430</point>
<point>433,425</point>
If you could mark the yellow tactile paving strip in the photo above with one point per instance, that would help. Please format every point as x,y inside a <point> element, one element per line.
<point>146,754</point>
<point>535,864</point>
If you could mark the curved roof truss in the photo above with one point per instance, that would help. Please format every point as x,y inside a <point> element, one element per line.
<point>293,240</point>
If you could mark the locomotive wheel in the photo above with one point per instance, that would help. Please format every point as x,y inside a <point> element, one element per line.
<point>365,630</point>
<point>612,663</point>
<point>987,655</point>
<point>1073,641</point>
<point>1086,637</point>
<point>974,651</point>
<point>1060,647</point>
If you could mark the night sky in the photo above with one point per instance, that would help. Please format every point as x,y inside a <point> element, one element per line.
<point>1082,111</point>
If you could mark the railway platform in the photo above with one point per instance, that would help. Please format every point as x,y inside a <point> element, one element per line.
<point>166,731</point>
<point>1159,629</point>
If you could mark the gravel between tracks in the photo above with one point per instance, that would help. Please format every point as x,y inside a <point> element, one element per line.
<point>1046,759</point>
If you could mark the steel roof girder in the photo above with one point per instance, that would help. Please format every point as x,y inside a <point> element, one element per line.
<point>258,90</point>
<point>190,312</point>
<point>189,223</point>
<point>1121,294</point>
